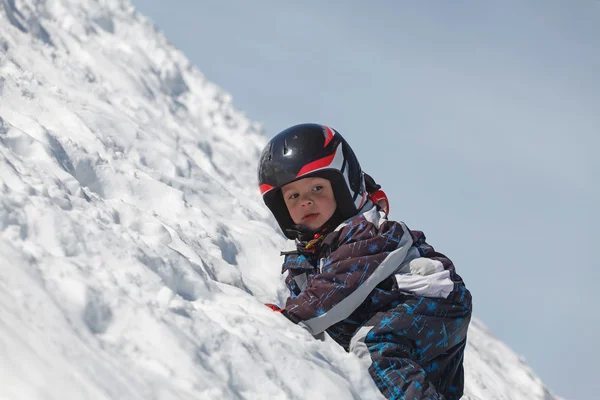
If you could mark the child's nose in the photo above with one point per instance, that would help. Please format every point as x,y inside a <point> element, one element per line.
<point>306,200</point>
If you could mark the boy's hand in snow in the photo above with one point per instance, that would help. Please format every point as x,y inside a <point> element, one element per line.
<point>274,307</point>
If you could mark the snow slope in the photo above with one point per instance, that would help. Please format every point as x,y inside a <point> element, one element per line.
<point>135,251</point>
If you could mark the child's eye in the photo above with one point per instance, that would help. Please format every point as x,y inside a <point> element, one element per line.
<point>318,188</point>
<point>293,196</point>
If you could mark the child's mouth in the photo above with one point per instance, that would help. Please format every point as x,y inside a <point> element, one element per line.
<point>310,217</point>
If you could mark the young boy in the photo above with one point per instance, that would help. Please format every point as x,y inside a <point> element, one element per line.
<point>377,288</point>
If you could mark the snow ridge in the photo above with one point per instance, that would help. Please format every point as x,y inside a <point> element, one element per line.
<point>135,252</point>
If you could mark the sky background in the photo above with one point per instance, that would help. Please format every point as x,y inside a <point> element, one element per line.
<point>480,119</point>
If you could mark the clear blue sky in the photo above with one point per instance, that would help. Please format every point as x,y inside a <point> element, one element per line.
<point>480,119</point>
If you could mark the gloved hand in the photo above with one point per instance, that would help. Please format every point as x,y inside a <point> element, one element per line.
<point>425,266</point>
<point>274,307</point>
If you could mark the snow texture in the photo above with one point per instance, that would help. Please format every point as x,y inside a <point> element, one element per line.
<point>135,251</point>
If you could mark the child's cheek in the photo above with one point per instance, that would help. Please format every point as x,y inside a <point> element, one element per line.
<point>294,213</point>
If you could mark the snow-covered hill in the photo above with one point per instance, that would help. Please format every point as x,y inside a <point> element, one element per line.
<point>135,252</point>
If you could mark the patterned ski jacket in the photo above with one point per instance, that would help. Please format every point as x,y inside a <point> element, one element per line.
<point>370,265</point>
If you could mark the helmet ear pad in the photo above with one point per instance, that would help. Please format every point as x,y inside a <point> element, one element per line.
<point>274,200</point>
<point>343,198</point>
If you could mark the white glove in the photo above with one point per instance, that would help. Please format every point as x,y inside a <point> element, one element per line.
<point>425,266</point>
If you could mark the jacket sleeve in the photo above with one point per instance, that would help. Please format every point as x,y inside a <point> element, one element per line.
<point>367,255</point>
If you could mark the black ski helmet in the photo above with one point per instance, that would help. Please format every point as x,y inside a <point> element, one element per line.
<point>309,150</point>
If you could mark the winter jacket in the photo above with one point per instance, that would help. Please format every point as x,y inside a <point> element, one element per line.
<point>370,266</point>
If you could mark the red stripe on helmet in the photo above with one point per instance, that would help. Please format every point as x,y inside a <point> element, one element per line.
<point>322,163</point>
<point>264,188</point>
<point>328,135</point>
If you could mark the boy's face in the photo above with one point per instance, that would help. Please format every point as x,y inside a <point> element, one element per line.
<point>310,201</point>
